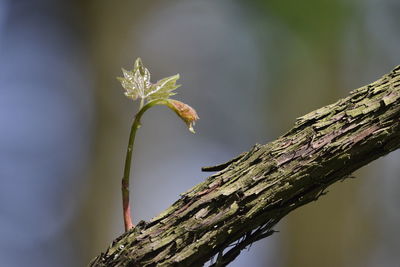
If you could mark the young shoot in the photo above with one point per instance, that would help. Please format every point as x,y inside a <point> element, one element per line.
<point>137,85</point>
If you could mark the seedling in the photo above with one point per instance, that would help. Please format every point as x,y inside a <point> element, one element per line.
<point>137,85</point>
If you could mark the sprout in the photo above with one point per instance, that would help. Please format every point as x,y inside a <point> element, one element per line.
<point>137,84</point>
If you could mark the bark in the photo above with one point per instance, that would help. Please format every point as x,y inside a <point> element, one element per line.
<point>248,195</point>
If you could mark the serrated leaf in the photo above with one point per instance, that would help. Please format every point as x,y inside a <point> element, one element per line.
<point>138,65</point>
<point>146,77</point>
<point>164,88</point>
<point>130,90</point>
<point>137,84</point>
<point>127,74</point>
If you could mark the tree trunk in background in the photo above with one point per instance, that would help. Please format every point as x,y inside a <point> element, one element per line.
<point>243,201</point>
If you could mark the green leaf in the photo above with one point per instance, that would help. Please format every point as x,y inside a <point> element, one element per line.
<point>127,74</point>
<point>164,88</point>
<point>128,85</point>
<point>138,66</point>
<point>137,84</point>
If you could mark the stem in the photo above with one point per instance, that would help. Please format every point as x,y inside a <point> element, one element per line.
<point>141,103</point>
<point>127,169</point>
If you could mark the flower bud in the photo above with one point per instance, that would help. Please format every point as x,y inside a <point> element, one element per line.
<point>185,112</point>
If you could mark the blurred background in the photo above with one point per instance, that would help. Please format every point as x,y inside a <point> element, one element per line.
<point>248,67</point>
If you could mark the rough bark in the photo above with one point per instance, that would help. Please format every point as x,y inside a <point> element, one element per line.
<point>243,201</point>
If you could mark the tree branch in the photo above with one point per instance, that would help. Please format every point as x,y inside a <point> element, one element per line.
<point>241,203</point>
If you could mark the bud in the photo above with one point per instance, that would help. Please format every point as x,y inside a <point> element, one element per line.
<point>185,112</point>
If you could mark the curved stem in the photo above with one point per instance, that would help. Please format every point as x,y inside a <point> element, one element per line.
<point>127,169</point>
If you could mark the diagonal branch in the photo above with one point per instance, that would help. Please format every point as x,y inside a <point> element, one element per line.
<point>243,201</point>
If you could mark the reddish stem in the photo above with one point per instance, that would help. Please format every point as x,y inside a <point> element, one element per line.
<point>127,169</point>
<point>126,206</point>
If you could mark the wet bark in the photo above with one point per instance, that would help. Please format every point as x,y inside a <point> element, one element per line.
<point>248,195</point>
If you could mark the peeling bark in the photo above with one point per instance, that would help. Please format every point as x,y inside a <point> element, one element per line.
<point>243,201</point>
